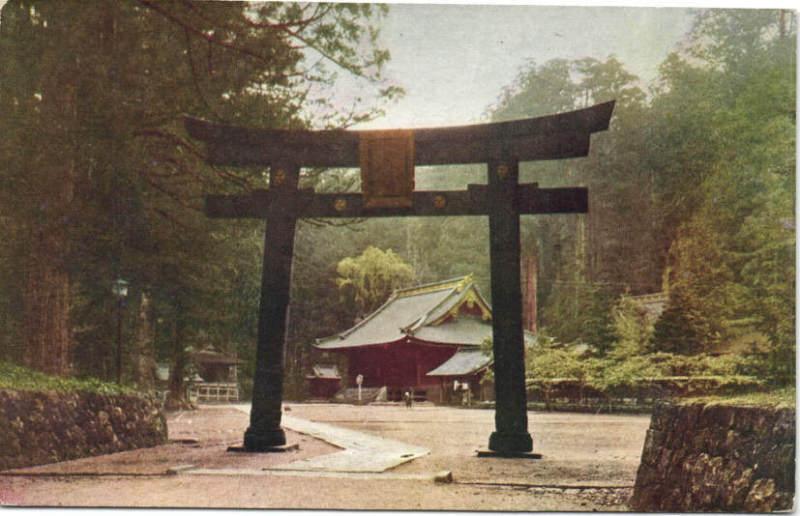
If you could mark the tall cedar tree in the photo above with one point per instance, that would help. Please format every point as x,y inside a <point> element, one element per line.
<point>98,179</point>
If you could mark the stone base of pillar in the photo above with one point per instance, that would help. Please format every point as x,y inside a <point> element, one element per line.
<point>508,443</point>
<point>263,441</point>
<point>272,449</point>
<point>508,455</point>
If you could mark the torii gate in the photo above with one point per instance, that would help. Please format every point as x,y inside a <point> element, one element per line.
<point>500,145</point>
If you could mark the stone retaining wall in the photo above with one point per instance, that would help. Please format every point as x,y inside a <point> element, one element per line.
<point>717,458</point>
<point>42,427</point>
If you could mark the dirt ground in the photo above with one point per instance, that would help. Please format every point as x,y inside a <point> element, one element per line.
<point>588,463</point>
<point>577,449</point>
<point>197,437</point>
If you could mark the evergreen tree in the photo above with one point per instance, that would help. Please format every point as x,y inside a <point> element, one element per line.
<point>728,203</point>
<point>682,328</point>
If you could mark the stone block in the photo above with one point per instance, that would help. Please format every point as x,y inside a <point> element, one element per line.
<point>117,416</point>
<point>783,428</point>
<point>739,486</point>
<point>58,426</point>
<point>717,458</point>
<point>647,476</point>
<point>784,501</point>
<point>698,441</point>
<point>754,420</point>
<point>659,418</point>
<point>779,465</point>
<point>762,496</point>
<point>688,415</point>
<point>717,416</point>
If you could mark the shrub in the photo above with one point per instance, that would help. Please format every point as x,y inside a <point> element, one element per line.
<point>15,377</point>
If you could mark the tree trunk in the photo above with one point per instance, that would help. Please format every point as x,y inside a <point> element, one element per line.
<point>46,300</point>
<point>143,359</point>
<point>529,287</point>
<point>176,398</point>
<point>46,310</point>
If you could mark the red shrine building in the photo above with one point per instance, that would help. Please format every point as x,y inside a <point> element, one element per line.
<point>423,338</point>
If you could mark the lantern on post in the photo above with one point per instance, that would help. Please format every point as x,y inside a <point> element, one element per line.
<point>359,381</point>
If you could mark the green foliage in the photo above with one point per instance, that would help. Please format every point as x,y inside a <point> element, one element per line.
<point>629,366</point>
<point>370,277</point>
<point>548,359</point>
<point>682,328</point>
<point>487,348</point>
<point>632,329</point>
<point>696,178</point>
<point>105,86</point>
<point>629,372</point>
<point>587,261</point>
<point>597,324</point>
<point>19,378</point>
<point>779,398</point>
<point>539,90</point>
<point>733,251</point>
<point>581,315</point>
<point>446,247</point>
<point>724,365</point>
<point>692,188</point>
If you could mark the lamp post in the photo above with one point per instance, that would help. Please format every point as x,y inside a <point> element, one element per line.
<point>120,290</point>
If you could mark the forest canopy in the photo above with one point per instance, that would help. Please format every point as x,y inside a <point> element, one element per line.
<point>691,190</point>
<point>99,181</point>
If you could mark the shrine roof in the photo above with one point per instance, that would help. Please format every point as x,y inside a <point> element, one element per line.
<point>420,312</point>
<point>464,362</point>
<point>209,355</point>
<point>328,372</point>
<point>652,304</point>
<point>461,330</point>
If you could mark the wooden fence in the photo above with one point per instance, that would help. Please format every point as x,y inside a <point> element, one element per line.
<point>214,392</point>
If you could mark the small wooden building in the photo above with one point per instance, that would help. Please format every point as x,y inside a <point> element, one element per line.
<point>324,381</point>
<point>653,305</point>
<point>463,372</point>
<point>421,338</point>
<point>217,376</point>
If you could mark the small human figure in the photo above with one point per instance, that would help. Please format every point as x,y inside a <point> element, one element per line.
<point>408,398</point>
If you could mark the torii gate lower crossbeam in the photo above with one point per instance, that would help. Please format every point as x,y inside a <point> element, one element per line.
<point>503,199</point>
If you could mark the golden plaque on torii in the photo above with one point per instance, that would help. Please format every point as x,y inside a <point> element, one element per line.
<point>386,159</point>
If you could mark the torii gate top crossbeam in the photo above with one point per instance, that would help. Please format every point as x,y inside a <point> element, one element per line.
<point>564,135</point>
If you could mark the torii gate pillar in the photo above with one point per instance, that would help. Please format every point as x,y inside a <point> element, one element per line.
<point>265,432</point>
<point>511,412</point>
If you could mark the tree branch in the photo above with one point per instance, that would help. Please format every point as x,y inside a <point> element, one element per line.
<point>196,83</point>
<point>152,5</point>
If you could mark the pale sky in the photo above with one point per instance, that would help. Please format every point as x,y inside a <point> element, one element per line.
<point>453,60</point>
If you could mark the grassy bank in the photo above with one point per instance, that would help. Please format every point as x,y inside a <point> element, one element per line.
<point>779,398</point>
<point>22,379</point>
